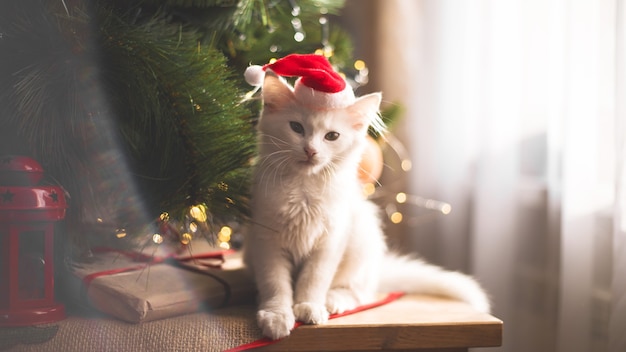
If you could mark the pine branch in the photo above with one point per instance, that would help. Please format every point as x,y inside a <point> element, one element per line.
<point>134,105</point>
<point>195,134</point>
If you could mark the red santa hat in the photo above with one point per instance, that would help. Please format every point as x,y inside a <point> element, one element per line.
<point>319,86</point>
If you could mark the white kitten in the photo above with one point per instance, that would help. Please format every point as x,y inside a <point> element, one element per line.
<point>316,244</point>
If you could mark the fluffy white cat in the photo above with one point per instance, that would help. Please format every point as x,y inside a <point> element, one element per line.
<point>316,245</point>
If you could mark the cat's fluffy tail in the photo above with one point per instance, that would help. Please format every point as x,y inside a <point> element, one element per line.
<point>411,275</point>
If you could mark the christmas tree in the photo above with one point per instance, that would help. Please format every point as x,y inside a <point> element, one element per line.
<point>136,107</point>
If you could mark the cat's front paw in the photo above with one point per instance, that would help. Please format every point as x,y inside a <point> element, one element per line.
<point>275,323</point>
<point>310,313</point>
<point>340,300</point>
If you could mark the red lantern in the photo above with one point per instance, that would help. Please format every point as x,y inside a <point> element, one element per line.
<point>27,215</point>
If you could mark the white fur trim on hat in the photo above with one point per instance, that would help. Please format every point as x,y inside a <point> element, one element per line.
<point>316,100</point>
<point>254,75</point>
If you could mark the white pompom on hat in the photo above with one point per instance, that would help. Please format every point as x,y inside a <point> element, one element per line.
<point>319,86</point>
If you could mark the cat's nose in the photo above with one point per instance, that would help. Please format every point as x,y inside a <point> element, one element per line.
<point>310,152</point>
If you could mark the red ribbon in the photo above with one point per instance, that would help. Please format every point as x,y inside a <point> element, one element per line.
<point>177,261</point>
<point>392,296</point>
<point>181,262</point>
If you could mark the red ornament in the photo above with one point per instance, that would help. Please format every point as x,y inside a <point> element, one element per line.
<point>27,215</point>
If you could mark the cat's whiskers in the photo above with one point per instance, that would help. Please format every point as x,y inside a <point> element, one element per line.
<point>328,173</point>
<point>370,176</point>
<point>271,166</point>
<point>271,156</point>
<point>278,142</point>
<point>283,161</point>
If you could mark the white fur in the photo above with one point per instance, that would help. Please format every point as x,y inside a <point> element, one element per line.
<point>254,75</point>
<point>317,100</point>
<point>316,245</point>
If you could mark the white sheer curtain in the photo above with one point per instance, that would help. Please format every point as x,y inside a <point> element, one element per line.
<point>514,114</point>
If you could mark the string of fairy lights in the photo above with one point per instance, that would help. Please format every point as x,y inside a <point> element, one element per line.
<point>197,221</point>
<point>392,200</point>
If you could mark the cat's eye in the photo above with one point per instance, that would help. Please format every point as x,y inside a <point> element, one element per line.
<point>331,136</point>
<point>297,127</point>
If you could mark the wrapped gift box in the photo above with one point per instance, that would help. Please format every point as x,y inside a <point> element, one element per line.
<point>136,288</point>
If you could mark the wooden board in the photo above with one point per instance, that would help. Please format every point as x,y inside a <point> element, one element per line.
<point>413,322</point>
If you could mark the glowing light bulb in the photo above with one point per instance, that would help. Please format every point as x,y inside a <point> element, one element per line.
<point>198,212</point>
<point>406,165</point>
<point>227,231</point>
<point>396,217</point>
<point>186,238</point>
<point>369,189</point>
<point>157,238</point>
<point>224,234</point>
<point>401,197</point>
<point>295,9</point>
<point>297,27</point>
<point>359,64</point>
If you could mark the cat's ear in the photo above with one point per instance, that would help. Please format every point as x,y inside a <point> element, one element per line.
<point>277,94</point>
<point>364,111</point>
